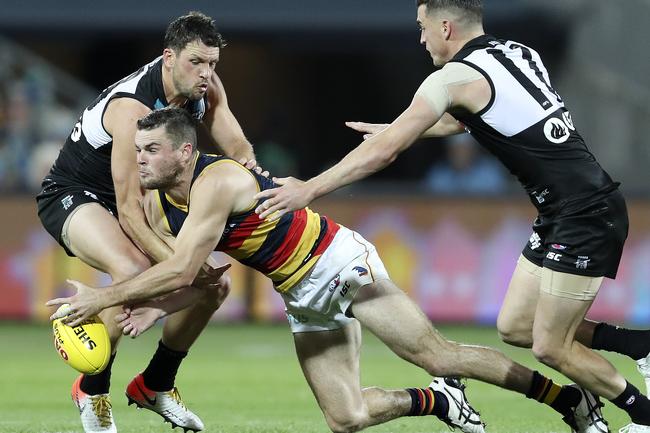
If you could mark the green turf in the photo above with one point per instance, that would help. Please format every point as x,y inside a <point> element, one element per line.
<point>245,379</point>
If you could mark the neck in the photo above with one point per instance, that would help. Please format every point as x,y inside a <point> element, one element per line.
<point>467,36</point>
<point>180,191</point>
<point>171,92</point>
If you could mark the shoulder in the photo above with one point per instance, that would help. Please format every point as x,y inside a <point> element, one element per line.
<point>226,173</point>
<point>230,184</point>
<point>124,109</point>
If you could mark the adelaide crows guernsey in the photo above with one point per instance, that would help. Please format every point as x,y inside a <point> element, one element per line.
<point>85,158</point>
<point>528,128</point>
<point>284,250</point>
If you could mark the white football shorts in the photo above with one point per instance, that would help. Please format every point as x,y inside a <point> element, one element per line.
<point>320,300</point>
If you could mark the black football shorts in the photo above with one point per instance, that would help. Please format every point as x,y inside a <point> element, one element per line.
<point>583,238</point>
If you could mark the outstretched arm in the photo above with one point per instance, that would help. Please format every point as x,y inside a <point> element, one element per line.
<point>367,158</point>
<point>444,127</point>
<point>455,85</point>
<point>136,319</point>
<point>196,240</point>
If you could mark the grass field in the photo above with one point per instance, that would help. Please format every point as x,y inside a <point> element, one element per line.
<point>245,379</point>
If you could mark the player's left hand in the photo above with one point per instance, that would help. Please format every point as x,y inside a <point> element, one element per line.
<point>82,306</point>
<point>251,164</point>
<point>368,129</point>
<point>292,194</point>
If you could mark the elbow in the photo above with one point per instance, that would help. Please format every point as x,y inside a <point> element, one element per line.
<point>384,159</point>
<point>184,275</point>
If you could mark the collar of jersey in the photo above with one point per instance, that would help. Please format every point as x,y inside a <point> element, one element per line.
<point>183,207</point>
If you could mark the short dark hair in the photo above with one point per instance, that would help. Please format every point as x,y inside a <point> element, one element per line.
<point>178,122</point>
<point>472,9</point>
<point>191,27</point>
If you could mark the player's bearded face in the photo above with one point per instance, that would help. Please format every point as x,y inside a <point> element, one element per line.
<point>163,173</point>
<point>159,163</point>
<point>193,69</point>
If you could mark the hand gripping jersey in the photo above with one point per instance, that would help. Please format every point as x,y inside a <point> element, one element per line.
<point>527,126</point>
<point>284,250</point>
<point>85,159</point>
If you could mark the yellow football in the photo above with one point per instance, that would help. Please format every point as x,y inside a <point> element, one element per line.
<point>85,347</point>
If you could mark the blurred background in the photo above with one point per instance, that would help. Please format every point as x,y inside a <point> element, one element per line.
<point>448,222</point>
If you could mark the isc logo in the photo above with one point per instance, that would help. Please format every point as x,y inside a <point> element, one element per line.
<point>553,256</point>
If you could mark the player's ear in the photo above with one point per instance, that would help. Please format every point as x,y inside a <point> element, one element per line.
<point>445,29</point>
<point>187,148</point>
<point>169,57</point>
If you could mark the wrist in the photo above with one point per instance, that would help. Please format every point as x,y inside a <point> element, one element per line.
<point>313,190</point>
<point>109,298</point>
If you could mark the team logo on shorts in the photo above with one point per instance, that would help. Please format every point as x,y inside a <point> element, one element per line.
<point>66,202</point>
<point>334,283</point>
<point>558,246</point>
<point>556,131</point>
<point>360,270</point>
<point>535,241</point>
<point>582,262</point>
<point>91,195</point>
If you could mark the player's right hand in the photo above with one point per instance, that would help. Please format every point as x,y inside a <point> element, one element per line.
<point>369,129</point>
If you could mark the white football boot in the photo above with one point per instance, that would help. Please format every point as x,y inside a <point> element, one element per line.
<point>587,416</point>
<point>643,365</point>
<point>635,428</point>
<point>95,410</point>
<point>167,404</point>
<point>461,415</point>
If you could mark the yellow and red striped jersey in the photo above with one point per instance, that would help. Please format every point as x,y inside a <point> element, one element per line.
<point>284,250</point>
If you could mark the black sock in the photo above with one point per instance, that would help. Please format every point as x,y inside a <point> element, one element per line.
<point>635,404</point>
<point>425,401</point>
<point>98,383</point>
<point>630,342</point>
<point>160,373</point>
<point>560,398</point>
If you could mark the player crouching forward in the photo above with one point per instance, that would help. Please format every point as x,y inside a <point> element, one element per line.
<point>330,278</point>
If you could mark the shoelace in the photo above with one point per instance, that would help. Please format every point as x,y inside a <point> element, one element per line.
<point>594,413</point>
<point>102,409</point>
<point>466,410</point>
<point>176,396</point>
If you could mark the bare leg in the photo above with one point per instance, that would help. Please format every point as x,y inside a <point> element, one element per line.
<point>96,238</point>
<point>517,314</point>
<point>515,321</point>
<point>411,336</point>
<point>556,321</point>
<point>346,406</point>
<point>183,327</point>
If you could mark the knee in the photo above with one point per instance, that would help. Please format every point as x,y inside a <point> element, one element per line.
<point>129,267</point>
<point>514,334</point>
<point>550,354</point>
<point>514,337</point>
<point>345,423</point>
